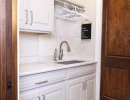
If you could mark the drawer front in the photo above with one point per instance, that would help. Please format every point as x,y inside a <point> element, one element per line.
<point>80,71</point>
<point>33,81</point>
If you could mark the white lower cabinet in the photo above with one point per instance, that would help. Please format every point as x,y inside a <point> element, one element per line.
<point>32,95</point>
<point>51,92</point>
<point>89,87</point>
<point>55,92</point>
<point>81,88</point>
<point>74,89</point>
<point>71,84</point>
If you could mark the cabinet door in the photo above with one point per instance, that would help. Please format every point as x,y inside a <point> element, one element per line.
<point>33,95</point>
<point>41,15</point>
<point>54,92</point>
<point>89,87</point>
<point>74,89</point>
<point>23,14</point>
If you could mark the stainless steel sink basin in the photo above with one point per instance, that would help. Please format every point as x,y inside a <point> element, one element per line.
<point>70,62</point>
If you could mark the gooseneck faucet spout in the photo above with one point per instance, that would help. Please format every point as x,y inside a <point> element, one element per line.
<point>61,50</point>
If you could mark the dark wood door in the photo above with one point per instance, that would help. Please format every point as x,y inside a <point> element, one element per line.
<point>115,69</point>
<point>8,49</point>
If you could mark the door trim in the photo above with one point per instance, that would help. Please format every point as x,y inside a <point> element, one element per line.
<point>2,50</point>
<point>8,49</point>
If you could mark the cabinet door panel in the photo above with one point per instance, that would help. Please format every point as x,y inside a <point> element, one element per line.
<point>116,83</point>
<point>23,14</point>
<point>41,15</point>
<point>89,92</point>
<point>74,89</point>
<point>55,92</point>
<point>90,89</point>
<point>34,95</point>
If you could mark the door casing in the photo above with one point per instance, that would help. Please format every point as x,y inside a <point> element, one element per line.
<point>8,49</point>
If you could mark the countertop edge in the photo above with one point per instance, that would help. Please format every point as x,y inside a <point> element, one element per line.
<point>54,69</point>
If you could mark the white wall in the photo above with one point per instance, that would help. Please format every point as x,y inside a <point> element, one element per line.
<point>35,48</point>
<point>44,45</point>
<point>89,45</point>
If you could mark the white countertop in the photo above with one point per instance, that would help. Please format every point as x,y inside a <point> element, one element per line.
<point>34,68</point>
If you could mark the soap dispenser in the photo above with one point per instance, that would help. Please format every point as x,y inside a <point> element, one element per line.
<point>55,55</point>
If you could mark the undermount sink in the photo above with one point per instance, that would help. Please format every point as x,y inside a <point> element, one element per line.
<point>70,62</point>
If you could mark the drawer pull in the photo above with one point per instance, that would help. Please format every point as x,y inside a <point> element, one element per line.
<point>41,82</point>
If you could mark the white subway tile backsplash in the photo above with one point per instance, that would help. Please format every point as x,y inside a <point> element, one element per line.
<point>46,58</point>
<point>29,44</point>
<point>46,44</point>
<point>32,59</point>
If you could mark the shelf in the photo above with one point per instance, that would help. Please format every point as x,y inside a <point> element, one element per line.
<point>67,19</point>
<point>70,3</point>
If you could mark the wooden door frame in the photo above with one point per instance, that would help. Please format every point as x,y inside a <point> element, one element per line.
<point>8,49</point>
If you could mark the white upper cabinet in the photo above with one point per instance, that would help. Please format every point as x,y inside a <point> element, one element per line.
<point>23,14</point>
<point>36,15</point>
<point>42,15</point>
